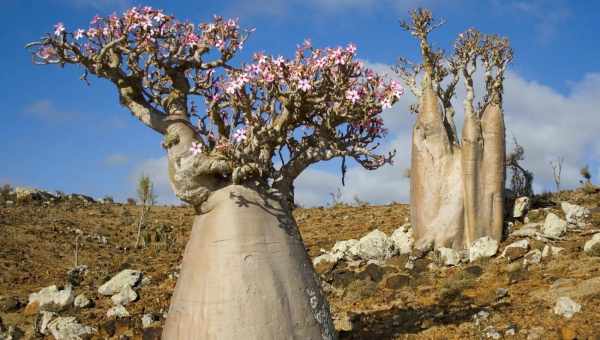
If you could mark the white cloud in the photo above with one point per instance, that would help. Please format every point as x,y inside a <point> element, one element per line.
<point>111,5</point>
<point>45,110</point>
<point>280,8</point>
<point>116,159</point>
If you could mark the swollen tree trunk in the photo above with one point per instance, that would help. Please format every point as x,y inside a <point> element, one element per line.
<point>436,180</point>
<point>493,171</point>
<point>246,275</point>
<point>472,155</point>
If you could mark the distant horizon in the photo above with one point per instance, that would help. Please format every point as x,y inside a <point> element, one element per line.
<point>60,134</point>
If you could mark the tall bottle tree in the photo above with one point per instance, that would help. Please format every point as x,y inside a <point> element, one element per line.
<point>457,182</point>
<point>245,272</point>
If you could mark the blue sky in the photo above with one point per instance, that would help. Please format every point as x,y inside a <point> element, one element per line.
<point>60,134</point>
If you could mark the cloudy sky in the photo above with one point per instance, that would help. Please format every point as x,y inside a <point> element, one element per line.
<point>60,134</point>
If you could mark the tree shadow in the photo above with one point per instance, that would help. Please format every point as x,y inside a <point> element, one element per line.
<point>389,324</point>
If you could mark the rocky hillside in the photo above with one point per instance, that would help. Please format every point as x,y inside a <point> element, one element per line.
<point>541,282</point>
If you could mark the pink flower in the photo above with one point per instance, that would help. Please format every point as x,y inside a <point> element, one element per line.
<point>79,34</point>
<point>220,43</point>
<point>352,95</point>
<point>304,85</point>
<point>92,32</point>
<point>351,48</point>
<point>196,148</point>
<point>239,135</point>
<point>321,62</point>
<point>279,61</point>
<point>97,18</point>
<point>191,39</point>
<point>397,89</point>
<point>59,29</point>
<point>386,104</point>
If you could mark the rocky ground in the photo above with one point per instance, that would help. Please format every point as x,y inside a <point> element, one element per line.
<point>376,288</point>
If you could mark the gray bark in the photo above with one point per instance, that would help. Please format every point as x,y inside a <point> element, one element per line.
<point>246,275</point>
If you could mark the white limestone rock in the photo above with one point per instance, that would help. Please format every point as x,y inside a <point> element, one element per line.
<point>521,206</point>
<point>592,246</point>
<point>118,312</point>
<point>375,246</point>
<point>554,226</point>
<point>67,328</point>
<point>403,239</point>
<point>51,299</point>
<point>575,214</point>
<point>125,278</point>
<point>566,307</point>
<point>449,256</point>
<point>483,248</point>
<point>82,301</point>
<point>125,296</point>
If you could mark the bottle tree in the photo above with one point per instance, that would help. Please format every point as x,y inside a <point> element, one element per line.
<point>245,272</point>
<point>457,182</point>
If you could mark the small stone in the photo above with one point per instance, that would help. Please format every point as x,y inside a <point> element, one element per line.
<point>575,215</point>
<point>551,251</point>
<point>501,292</point>
<point>127,277</point>
<point>403,240</point>
<point>125,296</point>
<point>149,319</point>
<point>521,206</point>
<point>67,328</point>
<point>492,333</point>
<point>533,257</point>
<point>117,312</point>
<point>515,250</point>
<point>566,307</point>
<point>592,247</point>
<point>324,263</point>
<point>449,256</point>
<point>554,226</point>
<point>527,230</point>
<point>50,299</point>
<point>375,246</point>
<point>536,333</point>
<point>82,301</point>
<point>42,321</point>
<point>483,248</point>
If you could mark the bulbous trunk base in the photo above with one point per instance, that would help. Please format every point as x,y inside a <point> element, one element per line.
<point>246,275</point>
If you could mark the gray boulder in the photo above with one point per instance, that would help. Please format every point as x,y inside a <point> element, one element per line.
<point>592,246</point>
<point>125,296</point>
<point>554,226</point>
<point>125,278</point>
<point>566,307</point>
<point>521,206</point>
<point>403,239</point>
<point>483,248</point>
<point>375,246</point>
<point>575,214</point>
<point>449,256</point>
<point>118,312</point>
<point>67,328</point>
<point>82,301</point>
<point>51,299</point>
<point>515,250</point>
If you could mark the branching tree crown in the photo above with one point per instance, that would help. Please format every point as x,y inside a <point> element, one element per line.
<point>267,120</point>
